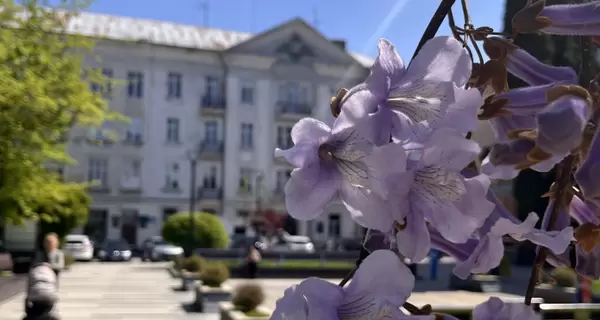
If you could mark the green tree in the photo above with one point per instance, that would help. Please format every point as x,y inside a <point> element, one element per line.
<point>209,231</point>
<point>44,94</point>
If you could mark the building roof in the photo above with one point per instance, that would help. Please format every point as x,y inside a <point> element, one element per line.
<point>165,33</point>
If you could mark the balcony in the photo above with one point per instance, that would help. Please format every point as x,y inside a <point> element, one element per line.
<point>212,105</point>
<point>131,185</point>
<point>292,111</point>
<point>212,150</point>
<point>205,193</point>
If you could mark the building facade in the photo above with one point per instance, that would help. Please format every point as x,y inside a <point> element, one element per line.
<point>225,99</point>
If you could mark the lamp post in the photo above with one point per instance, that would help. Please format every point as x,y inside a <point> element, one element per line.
<point>193,158</point>
<point>258,203</point>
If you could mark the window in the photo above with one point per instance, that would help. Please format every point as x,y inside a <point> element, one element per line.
<point>293,94</point>
<point>243,213</point>
<point>210,180</point>
<point>98,171</point>
<point>135,84</point>
<point>167,212</point>
<point>101,133</point>
<point>134,131</point>
<point>172,176</point>
<point>284,137</point>
<point>108,77</point>
<point>210,131</point>
<point>334,225</point>
<point>247,138</point>
<point>282,178</point>
<point>133,170</point>
<point>174,80</point>
<point>172,130</point>
<point>245,183</point>
<point>213,89</point>
<point>247,93</point>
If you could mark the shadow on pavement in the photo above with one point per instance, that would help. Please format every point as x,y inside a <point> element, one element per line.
<point>11,286</point>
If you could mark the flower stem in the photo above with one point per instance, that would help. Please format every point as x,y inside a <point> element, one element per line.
<point>435,23</point>
<point>564,172</point>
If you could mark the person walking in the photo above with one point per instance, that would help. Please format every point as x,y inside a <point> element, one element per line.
<point>434,260</point>
<point>41,293</point>
<point>52,254</point>
<point>252,261</point>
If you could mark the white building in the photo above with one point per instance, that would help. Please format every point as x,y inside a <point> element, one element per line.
<point>234,95</point>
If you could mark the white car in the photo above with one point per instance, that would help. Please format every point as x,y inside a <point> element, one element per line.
<point>293,243</point>
<point>156,249</point>
<point>79,247</point>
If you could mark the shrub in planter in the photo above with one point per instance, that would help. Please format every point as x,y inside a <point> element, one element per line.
<point>215,274</point>
<point>69,260</point>
<point>247,297</point>
<point>179,263</point>
<point>194,264</point>
<point>564,277</point>
<point>209,231</point>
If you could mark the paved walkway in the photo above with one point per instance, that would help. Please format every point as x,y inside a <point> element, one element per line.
<point>115,291</point>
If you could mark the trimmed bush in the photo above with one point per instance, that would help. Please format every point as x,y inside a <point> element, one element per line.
<point>247,297</point>
<point>195,264</point>
<point>69,260</point>
<point>209,231</point>
<point>215,274</point>
<point>564,277</point>
<point>179,263</point>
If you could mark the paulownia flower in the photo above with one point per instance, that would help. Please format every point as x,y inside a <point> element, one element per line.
<point>408,103</point>
<point>563,19</point>
<point>434,190</point>
<point>525,66</point>
<point>336,163</point>
<point>485,252</point>
<point>496,309</point>
<point>560,125</point>
<point>378,289</point>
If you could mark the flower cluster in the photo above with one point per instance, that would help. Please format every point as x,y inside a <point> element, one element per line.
<point>400,159</point>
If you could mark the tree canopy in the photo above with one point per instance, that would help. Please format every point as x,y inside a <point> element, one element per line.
<point>44,93</point>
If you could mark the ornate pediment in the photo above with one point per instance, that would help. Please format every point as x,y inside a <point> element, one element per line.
<point>295,48</point>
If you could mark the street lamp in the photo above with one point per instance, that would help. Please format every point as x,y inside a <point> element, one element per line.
<point>193,156</point>
<point>258,204</point>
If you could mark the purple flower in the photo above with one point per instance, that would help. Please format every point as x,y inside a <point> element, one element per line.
<point>483,253</point>
<point>434,190</point>
<point>525,66</point>
<point>369,296</point>
<point>339,163</point>
<point>589,171</point>
<point>560,125</point>
<point>506,159</point>
<point>496,309</point>
<point>408,103</point>
<point>563,19</point>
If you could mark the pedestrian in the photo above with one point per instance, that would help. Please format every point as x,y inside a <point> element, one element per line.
<point>434,260</point>
<point>41,293</point>
<point>252,261</point>
<point>52,254</point>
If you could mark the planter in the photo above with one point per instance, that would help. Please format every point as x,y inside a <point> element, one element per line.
<point>211,294</point>
<point>204,294</point>
<point>555,294</point>
<point>294,273</point>
<point>228,312</point>
<point>174,273</point>
<point>475,283</point>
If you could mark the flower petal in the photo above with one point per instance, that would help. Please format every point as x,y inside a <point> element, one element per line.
<point>495,308</point>
<point>448,149</point>
<point>413,241</point>
<point>310,130</point>
<point>486,256</point>
<point>387,69</point>
<point>462,114</point>
<point>366,207</point>
<point>369,289</point>
<point>312,298</point>
<point>309,190</point>
<point>301,155</point>
<point>441,59</point>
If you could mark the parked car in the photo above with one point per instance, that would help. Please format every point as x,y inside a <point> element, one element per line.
<point>244,242</point>
<point>292,243</point>
<point>156,249</point>
<point>115,250</point>
<point>79,246</point>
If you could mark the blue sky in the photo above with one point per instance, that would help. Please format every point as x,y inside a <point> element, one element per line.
<point>360,22</point>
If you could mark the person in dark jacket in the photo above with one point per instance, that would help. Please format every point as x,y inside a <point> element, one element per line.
<point>41,293</point>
